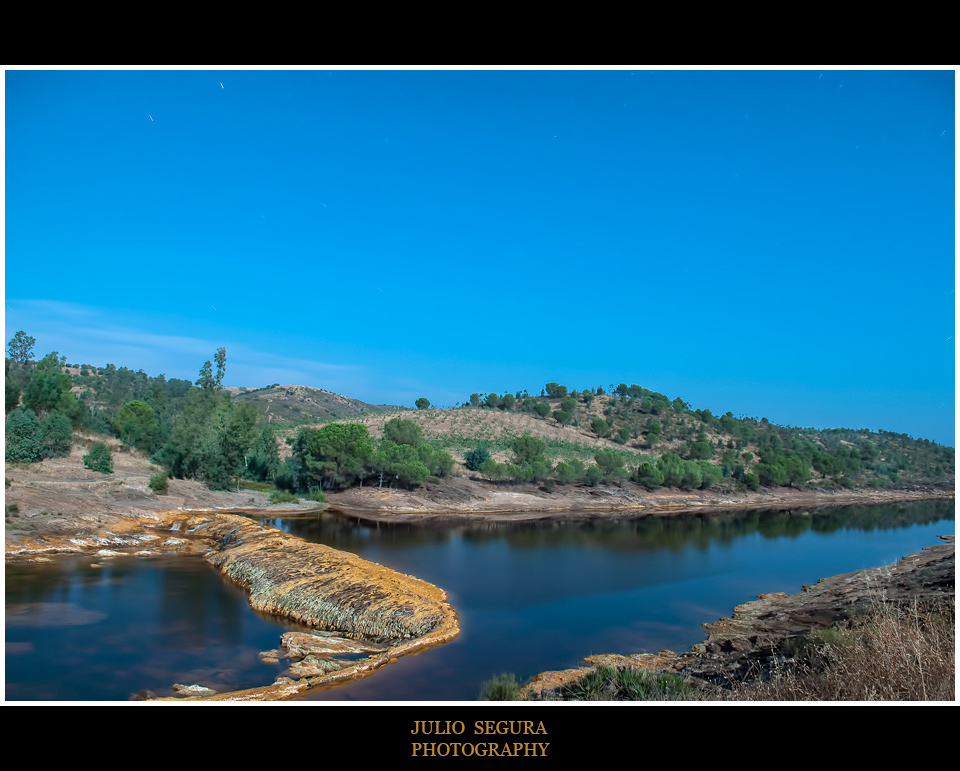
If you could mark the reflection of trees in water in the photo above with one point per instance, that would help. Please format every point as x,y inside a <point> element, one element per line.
<point>678,531</point>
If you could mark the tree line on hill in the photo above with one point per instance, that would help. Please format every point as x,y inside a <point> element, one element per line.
<point>692,448</point>
<point>194,430</point>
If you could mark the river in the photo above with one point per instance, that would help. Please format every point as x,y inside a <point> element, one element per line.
<point>532,596</point>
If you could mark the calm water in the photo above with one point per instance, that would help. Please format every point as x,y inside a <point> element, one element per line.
<point>532,597</point>
<point>80,633</point>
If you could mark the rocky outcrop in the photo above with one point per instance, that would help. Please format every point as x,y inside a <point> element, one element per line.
<point>341,595</point>
<point>323,587</point>
<point>761,634</point>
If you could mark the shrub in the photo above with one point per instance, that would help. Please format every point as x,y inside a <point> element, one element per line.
<point>614,684</point>
<point>282,496</point>
<point>503,687</point>
<point>99,459</point>
<point>895,652</point>
<point>56,435</point>
<point>158,482</point>
<point>23,437</point>
<point>475,458</point>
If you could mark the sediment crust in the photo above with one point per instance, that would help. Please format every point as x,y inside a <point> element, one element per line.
<point>326,589</point>
<point>323,587</point>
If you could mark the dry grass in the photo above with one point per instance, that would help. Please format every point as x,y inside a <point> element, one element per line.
<point>895,653</point>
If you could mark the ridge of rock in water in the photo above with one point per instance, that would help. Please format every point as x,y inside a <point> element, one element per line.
<point>325,588</point>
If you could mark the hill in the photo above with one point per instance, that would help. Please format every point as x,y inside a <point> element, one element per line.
<point>683,447</point>
<point>283,405</point>
<point>308,440</point>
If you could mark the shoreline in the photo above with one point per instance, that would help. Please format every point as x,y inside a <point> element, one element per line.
<point>401,506</point>
<point>117,514</point>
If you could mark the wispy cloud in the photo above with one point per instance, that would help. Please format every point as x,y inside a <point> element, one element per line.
<point>88,335</point>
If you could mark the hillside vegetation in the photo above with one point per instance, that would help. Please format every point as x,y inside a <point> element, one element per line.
<point>284,405</point>
<point>306,440</point>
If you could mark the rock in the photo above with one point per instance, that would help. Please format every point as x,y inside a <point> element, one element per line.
<point>192,690</point>
<point>312,666</point>
<point>759,632</point>
<point>270,657</point>
<point>298,645</point>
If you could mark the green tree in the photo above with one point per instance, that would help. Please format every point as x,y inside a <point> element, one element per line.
<point>99,459</point>
<point>710,473</point>
<point>609,462</point>
<point>158,482</point>
<point>56,435</point>
<point>671,466</point>
<point>423,403</point>
<point>570,471</point>
<point>475,458</point>
<point>403,431</point>
<point>48,386</point>
<point>20,348</point>
<point>264,463</point>
<point>138,426</point>
<point>336,454</point>
<point>649,476</point>
<point>700,450</point>
<point>11,387</point>
<point>22,437</point>
<point>206,380</point>
<point>400,463</point>
<point>209,439</point>
<point>439,462</point>
<point>527,449</point>
<point>600,427</point>
<point>592,476</point>
<point>556,391</point>
<point>221,358</point>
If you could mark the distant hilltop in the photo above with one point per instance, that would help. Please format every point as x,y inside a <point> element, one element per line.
<point>297,404</point>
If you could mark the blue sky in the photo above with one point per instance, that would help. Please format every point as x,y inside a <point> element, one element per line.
<point>776,243</point>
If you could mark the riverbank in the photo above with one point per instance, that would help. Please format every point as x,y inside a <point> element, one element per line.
<point>764,638</point>
<point>65,508</point>
<point>366,616</point>
<point>59,500</point>
<point>450,500</point>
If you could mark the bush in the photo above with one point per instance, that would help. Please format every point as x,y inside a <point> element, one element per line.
<point>475,458</point>
<point>895,652</point>
<point>614,684</point>
<point>503,687</point>
<point>158,482</point>
<point>282,496</point>
<point>99,459</point>
<point>56,435</point>
<point>23,437</point>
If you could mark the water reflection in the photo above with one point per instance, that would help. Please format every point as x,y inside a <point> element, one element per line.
<point>532,596</point>
<point>542,595</point>
<point>78,632</point>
